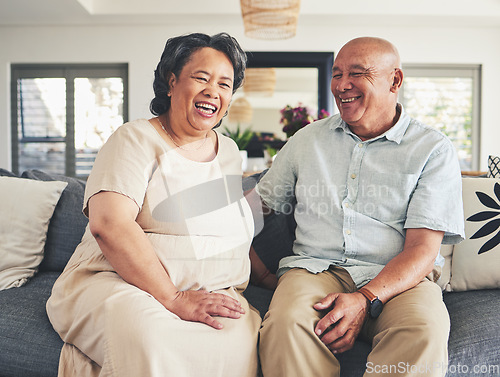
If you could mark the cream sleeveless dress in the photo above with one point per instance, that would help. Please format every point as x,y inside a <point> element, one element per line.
<point>201,227</point>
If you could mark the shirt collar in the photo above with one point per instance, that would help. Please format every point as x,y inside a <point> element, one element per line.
<point>395,133</point>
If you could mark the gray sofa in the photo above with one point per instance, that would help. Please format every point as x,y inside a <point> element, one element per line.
<point>30,347</point>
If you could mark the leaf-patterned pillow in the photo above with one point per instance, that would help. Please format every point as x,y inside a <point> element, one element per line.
<point>476,261</point>
<point>492,211</point>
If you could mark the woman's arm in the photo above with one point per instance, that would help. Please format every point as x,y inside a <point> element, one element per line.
<point>260,275</point>
<point>124,244</point>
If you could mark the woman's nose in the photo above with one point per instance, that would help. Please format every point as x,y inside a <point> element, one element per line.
<point>211,91</point>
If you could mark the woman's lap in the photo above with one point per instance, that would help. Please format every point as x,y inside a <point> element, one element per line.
<point>126,331</point>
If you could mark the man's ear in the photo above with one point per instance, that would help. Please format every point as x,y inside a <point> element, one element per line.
<point>397,80</point>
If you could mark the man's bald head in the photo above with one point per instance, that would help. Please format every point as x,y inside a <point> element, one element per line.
<point>374,47</point>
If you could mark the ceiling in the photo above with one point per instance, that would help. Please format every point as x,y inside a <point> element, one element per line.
<point>200,12</point>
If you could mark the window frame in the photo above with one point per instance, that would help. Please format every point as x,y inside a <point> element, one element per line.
<point>473,71</point>
<point>69,72</point>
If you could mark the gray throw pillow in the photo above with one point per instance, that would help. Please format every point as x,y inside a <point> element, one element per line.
<point>6,173</point>
<point>68,223</point>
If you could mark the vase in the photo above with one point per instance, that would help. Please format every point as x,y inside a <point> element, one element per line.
<point>244,160</point>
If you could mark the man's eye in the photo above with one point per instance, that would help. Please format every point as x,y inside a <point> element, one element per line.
<point>356,74</point>
<point>337,76</point>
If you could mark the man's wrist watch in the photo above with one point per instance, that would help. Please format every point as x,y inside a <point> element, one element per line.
<point>376,305</point>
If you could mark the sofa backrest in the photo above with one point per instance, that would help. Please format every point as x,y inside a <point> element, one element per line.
<point>275,240</point>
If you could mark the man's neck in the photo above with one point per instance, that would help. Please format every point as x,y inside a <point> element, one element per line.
<point>365,133</point>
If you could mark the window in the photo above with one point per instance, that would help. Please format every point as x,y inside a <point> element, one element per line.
<point>63,114</point>
<point>447,98</point>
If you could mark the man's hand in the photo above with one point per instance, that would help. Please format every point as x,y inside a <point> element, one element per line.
<point>340,327</point>
<point>201,306</point>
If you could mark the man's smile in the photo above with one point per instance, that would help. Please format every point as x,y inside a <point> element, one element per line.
<point>347,100</point>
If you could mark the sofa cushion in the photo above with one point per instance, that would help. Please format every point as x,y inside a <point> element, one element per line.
<point>353,363</point>
<point>68,223</point>
<point>475,333</point>
<point>259,298</point>
<point>29,344</point>
<point>476,261</point>
<point>26,209</point>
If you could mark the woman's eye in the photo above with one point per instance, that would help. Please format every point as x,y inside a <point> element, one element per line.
<point>201,79</point>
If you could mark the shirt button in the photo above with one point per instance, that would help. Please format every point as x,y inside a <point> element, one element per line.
<point>346,205</point>
<point>348,232</point>
<point>360,145</point>
<point>353,176</point>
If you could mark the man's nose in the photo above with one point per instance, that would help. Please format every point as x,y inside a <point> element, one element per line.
<point>342,84</point>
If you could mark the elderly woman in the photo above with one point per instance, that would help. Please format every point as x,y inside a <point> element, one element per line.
<point>154,288</point>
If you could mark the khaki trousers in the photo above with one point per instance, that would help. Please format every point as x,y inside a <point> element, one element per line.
<point>409,338</point>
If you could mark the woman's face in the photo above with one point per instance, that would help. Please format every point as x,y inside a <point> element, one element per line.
<point>201,94</point>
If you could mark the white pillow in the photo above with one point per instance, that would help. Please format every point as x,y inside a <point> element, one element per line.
<point>444,280</point>
<point>26,207</point>
<point>476,261</point>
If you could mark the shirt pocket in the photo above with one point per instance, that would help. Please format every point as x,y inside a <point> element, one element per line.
<point>385,196</point>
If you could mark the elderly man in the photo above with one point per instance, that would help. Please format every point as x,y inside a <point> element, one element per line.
<point>374,193</point>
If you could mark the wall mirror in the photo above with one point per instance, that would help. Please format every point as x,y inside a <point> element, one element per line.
<point>281,78</point>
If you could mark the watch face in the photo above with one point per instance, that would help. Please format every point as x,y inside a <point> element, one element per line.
<point>376,307</point>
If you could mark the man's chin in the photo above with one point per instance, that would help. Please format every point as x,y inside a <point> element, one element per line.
<point>350,119</point>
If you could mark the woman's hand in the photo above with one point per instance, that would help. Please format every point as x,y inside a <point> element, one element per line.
<point>201,306</point>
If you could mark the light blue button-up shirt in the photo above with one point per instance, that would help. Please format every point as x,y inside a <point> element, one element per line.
<point>353,199</point>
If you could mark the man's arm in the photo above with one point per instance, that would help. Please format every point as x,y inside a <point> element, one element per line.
<point>349,310</point>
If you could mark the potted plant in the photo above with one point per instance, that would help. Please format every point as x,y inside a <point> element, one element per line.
<point>241,138</point>
<point>295,118</point>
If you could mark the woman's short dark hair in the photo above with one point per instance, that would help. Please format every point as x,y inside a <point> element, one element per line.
<point>178,51</point>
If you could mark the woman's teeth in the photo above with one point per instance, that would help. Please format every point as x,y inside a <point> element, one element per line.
<point>206,108</point>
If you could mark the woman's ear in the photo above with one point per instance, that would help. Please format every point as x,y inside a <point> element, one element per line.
<point>397,80</point>
<point>171,83</point>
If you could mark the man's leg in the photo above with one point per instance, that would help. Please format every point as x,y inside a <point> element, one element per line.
<point>410,338</point>
<point>288,345</point>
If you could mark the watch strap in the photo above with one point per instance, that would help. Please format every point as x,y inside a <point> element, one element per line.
<point>367,293</point>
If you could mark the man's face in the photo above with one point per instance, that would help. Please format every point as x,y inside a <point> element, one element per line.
<point>362,83</point>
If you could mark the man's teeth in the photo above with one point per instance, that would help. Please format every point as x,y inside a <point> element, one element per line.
<point>347,99</point>
<point>206,108</point>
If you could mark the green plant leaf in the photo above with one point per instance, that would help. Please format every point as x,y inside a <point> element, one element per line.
<point>240,138</point>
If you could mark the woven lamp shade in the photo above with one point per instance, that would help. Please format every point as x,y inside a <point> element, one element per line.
<point>270,19</point>
<point>260,81</point>
<point>240,111</point>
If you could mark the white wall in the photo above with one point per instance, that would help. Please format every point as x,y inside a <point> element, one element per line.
<point>141,47</point>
